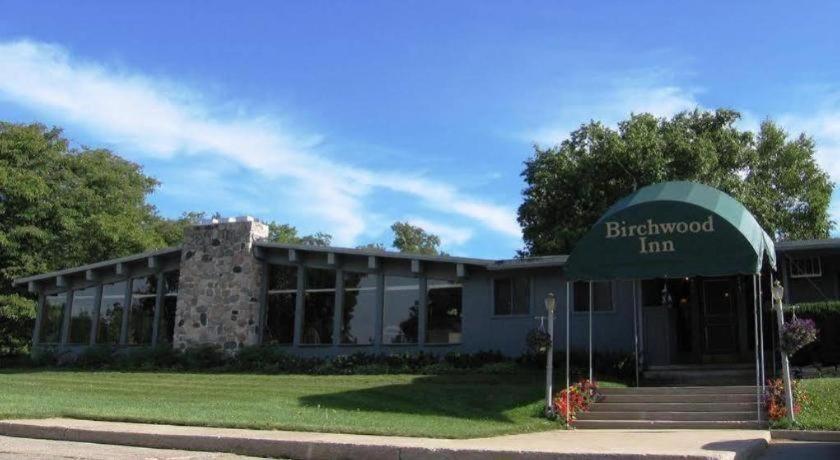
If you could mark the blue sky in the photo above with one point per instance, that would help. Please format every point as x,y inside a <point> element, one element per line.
<point>346,116</point>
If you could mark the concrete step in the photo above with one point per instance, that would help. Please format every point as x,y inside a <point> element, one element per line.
<point>668,424</point>
<point>674,407</point>
<point>678,398</point>
<point>682,390</point>
<point>746,416</point>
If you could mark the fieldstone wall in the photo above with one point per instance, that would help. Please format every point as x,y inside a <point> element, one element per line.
<point>218,294</point>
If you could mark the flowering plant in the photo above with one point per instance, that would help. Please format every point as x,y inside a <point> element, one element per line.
<point>797,333</point>
<point>538,341</point>
<point>576,398</point>
<point>774,399</point>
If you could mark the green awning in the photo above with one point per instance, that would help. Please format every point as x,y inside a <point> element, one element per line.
<point>669,230</point>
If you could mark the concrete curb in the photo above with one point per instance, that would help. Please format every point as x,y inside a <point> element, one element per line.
<point>801,435</point>
<point>311,446</point>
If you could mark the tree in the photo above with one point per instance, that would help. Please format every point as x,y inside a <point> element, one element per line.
<point>571,185</point>
<point>413,239</point>
<point>285,233</point>
<point>62,207</point>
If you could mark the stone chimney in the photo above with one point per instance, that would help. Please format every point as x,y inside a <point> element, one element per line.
<point>218,293</point>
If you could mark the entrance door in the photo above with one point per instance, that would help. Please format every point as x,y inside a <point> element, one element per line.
<point>720,318</point>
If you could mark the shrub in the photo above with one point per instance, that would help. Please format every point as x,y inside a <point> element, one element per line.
<point>95,357</point>
<point>574,399</point>
<point>775,401</point>
<point>469,361</point>
<point>207,356</point>
<point>44,357</point>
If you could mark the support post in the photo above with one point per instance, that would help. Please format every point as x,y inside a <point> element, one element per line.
<point>568,342</point>
<point>94,320</point>
<point>755,341</point>
<point>761,331</point>
<point>780,321</point>
<point>549,365</point>
<point>591,303</point>
<point>635,333</point>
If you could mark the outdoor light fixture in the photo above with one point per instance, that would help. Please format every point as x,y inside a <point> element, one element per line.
<point>550,304</point>
<point>778,291</point>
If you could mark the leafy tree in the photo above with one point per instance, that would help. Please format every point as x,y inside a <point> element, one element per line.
<point>285,233</point>
<point>372,246</point>
<point>776,177</point>
<point>412,239</point>
<point>62,207</point>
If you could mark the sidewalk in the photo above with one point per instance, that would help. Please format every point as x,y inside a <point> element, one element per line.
<point>613,444</point>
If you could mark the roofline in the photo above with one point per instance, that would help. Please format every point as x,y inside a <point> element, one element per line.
<point>104,263</point>
<point>804,245</point>
<point>376,253</point>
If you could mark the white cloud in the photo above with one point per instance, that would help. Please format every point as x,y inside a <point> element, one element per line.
<point>612,102</point>
<point>152,116</point>
<point>450,236</point>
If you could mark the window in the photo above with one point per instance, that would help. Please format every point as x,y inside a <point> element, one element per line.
<point>400,318</point>
<point>359,309</point>
<point>81,315</point>
<point>111,313</point>
<point>142,310</point>
<point>444,320</point>
<point>52,317</point>
<point>282,296</point>
<point>602,299</point>
<point>319,306</point>
<point>168,306</point>
<point>805,267</point>
<point>512,296</point>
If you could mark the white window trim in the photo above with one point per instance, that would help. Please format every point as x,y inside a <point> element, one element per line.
<point>792,261</point>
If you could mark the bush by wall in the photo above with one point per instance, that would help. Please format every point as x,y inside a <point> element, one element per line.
<point>826,350</point>
<point>264,359</point>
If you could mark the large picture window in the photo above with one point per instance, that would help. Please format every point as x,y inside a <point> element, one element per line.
<point>445,306</point>
<point>602,296</point>
<point>319,306</point>
<point>142,310</point>
<point>400,317</point>
<point>512,296</point>
<point>282,296</point>
<point>168,306</point>
<point>111,313</point>
<point>359,309</point>
<point>52,317</point>
<point>81,315</point>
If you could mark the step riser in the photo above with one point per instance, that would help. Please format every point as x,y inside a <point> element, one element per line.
<point>680,390</point>
<point>673,407</point>
<point>656,399</point>
<point>673,416</point>
<point>643,424</point>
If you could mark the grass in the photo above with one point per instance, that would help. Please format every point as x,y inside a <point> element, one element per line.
<point>823,411</point>
<point>450,406</point>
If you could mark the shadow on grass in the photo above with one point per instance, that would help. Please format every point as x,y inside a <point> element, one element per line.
<point>486,397</point>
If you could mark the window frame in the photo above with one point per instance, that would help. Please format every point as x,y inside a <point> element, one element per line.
<point>794,261</point>
<point>530,306</point>
<point>595,311</point>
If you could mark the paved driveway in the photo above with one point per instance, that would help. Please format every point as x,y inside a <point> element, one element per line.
<point>779,450</point>
<point>40,449</point>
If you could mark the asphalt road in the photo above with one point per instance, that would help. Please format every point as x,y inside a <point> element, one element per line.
<point>40,449</point>
<point>779,450</point>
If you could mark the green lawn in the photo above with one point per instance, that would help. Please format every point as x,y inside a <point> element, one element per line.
<point>451,406</point>
<point>823,412</point>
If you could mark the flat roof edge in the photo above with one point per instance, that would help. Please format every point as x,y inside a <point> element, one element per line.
<point>95,265</point>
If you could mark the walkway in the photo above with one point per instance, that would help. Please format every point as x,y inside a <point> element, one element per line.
<point>615,444</point>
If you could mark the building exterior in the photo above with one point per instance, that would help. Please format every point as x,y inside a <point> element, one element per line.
<point>227,286</point>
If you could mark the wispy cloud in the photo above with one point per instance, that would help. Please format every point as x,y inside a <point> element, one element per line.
<point>450,235</point>
<point>154,116</point>
<point>614,100</point>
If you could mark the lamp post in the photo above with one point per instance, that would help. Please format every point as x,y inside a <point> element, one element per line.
<point>778,292</point>
<point>550,304</point>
